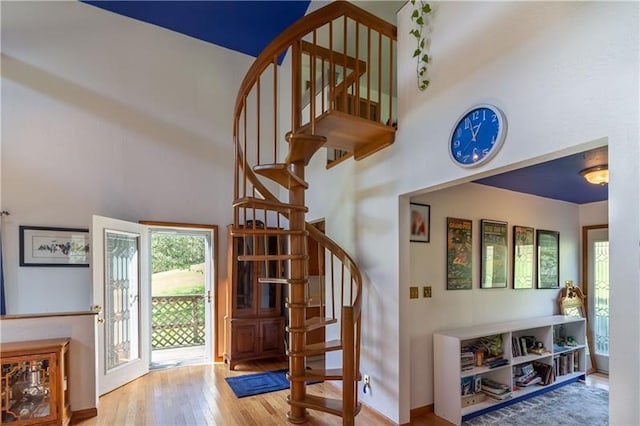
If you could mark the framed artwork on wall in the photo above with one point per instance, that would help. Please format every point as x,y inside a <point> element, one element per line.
<point>46,246</point>
<point>523,257</point>
<point>459,252</point>
<point>493,254</point>
<point>548,258</point>
<point>420,222</point>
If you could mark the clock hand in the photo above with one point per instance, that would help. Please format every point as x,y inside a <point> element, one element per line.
<point>474,134</point>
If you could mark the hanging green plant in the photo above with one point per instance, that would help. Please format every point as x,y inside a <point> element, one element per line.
<point>422,58</point>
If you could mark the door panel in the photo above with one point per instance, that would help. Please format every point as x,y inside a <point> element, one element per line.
<point>598,294</point>
<point>121,293</point>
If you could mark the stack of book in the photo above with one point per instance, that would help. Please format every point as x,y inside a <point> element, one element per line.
<point>545,372</point>
<point>526,375</point>
<point>495,390</point>
<point>467,361</point>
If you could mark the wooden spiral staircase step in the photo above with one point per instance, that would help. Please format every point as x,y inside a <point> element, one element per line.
<point>318,374</point>
<point>313,324</point>
<point>328,405</point>
<point>261,203</point>
<point>269,280</point>
<point>302,147</point>
<point>269,257</point>
<point>281,174</point>
<point>251,232</point>
<point>318,348</point>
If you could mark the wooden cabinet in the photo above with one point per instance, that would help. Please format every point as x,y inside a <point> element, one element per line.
<point>35,389</point>
<point>254,323</point>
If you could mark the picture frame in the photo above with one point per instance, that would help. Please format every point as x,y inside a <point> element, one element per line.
<point>494,254</point>
<point>459,254</point>
<point>548,255</point>
<point>420,222</point>
<point>523,257</point>
<point>48,246</point>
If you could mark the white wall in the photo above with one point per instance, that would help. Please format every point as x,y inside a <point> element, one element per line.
<point>565,74</point>
<point>451,309</point>
<point>107,115</point>
<point>594,213</point>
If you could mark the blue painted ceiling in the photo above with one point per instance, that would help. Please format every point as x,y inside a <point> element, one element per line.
<point>249,26</point>
<point>558,179</point>
<point>242,26</point>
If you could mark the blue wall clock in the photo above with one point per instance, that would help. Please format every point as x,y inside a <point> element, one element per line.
<point>477,135</point>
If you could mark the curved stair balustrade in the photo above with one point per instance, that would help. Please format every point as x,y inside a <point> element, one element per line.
<point>337,94</point>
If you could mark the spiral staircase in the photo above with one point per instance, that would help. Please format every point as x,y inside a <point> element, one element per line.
<point>334,93</point>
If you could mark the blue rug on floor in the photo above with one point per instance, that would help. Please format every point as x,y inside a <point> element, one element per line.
<point>254,384</point>
<point>571,405</point>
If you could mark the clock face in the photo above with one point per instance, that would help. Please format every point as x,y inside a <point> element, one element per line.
<point>477,136</point>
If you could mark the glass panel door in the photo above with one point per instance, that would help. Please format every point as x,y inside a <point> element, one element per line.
<point>121,296</point>
<point>598,294</point>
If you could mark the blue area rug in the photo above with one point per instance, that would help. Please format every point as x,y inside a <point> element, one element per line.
<point>254,384</point>
<point>570,405</point>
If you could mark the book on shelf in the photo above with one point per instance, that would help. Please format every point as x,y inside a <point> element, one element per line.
<point>545,371</point>
<point>467,361</point>
<point>492,387</point>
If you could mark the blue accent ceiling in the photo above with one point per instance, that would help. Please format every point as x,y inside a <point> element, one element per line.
<point>558,179</point>
<point>242,26</point>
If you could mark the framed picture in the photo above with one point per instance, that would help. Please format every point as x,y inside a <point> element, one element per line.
<point>548,258</point>
<point>420,222</point>
<point>44,246</point>
<point>523,257</point>
<point>494,254</point>
<point>459,246</point>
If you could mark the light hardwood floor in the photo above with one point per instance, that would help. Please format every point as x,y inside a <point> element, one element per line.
<point>198,395</point>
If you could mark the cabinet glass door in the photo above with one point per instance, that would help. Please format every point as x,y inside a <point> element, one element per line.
<point>27,390</point>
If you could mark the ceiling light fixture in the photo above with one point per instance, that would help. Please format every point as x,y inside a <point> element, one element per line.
<point>598,175</point>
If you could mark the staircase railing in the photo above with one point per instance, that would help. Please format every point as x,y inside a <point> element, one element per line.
<point>341,73</point>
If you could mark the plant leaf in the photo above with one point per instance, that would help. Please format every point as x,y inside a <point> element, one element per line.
<point>426,8</point>
<point>420,21</point>
<point>416,53</point>
<point>425,58</point>
<point>415,14</point>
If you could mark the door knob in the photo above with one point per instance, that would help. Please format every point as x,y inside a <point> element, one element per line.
<point>96,308</point>
<point>100,320</point>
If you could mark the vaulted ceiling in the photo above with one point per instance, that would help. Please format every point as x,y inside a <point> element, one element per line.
<point>249,26</point>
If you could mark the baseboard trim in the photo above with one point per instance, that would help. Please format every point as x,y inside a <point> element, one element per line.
<point>420,411</point>
<point>87,413</point>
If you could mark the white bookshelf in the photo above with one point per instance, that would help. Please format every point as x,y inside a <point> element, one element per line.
<point>448,374</point>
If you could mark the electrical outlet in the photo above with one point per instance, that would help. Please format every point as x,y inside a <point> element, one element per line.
<point>413,293</point>
<point>426,291</point>
<point>366,379</point>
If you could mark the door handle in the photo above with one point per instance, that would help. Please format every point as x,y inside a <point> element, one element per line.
<point>96,308</point>
<point>100,320</point>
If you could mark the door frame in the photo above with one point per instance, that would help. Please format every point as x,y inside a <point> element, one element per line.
<point>585,287</point>
<point>216,357</point>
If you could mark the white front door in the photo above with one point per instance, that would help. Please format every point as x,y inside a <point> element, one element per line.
<point>121,294</point>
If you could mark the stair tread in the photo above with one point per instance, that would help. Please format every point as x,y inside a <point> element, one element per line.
<point>302,147</point>
<point>281,174</point>
<point>318,348</point>
<point>249,231</point>
<point>271,280</point>
<point>267,204</point>
<point>314,323</point>
<point>328,405</point>
<point>318,374</point>
<point>353,134</point>
<point>268,257</point>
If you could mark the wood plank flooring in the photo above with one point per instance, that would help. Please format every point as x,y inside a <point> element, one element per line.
<point>198,395</point>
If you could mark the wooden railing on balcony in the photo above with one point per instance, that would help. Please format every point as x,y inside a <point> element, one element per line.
<point>177,321</point>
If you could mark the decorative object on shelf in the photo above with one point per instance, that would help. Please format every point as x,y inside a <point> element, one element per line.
<point>420,222</point>
<point>459,248</point>
<point>493,257</point>
<point>571,302</point>
<point>548,258</point>
<point>523,257</point>
<point>420,10</point>
<point>477,135</point>
<point>598,175</point>
<point>46,246</point>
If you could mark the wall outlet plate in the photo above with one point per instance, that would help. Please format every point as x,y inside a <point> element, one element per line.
<point>426,291</point>
<point>413,293</point>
